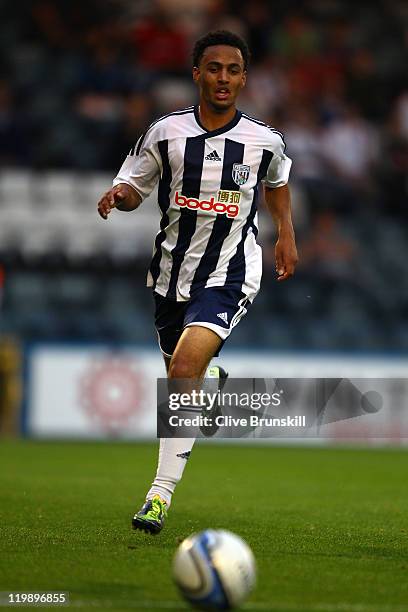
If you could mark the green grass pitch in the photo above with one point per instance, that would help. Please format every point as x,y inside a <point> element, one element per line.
<point>328,527</point>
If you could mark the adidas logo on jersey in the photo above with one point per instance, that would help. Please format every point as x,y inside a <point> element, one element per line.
<point>213,156</point>
<point>223,316</point>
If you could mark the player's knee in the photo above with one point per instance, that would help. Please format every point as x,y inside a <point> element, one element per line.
<point>180,367</point>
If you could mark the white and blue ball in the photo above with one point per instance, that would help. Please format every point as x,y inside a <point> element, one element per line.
<point>214,569</point>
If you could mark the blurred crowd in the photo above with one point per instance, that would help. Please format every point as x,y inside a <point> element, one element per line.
<point>80,81</point>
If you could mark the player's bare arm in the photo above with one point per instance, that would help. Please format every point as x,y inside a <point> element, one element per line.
<point>122,196</point>
<point>286,257</point>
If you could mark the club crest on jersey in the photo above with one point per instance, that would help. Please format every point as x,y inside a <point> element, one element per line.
<point>240,173</point>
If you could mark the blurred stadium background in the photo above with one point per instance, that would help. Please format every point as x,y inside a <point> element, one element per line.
<point>79,83</point>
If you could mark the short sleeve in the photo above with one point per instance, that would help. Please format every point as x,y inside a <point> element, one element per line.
<point>277,174</point>
<point>141,168</point>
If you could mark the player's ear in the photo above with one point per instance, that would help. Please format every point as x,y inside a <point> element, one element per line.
<point>244,77</point>
<point>196,74</point>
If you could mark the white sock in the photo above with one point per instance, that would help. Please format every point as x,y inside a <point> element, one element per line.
<point>173,455</point>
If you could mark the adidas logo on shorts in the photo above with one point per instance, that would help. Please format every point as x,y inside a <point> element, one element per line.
<point>223,316</point>
<point>213,156</point>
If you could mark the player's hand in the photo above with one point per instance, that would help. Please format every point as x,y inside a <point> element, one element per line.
<point>286,256</point>
<point>111,199</point>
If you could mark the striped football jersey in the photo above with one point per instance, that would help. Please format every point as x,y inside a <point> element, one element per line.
<point>208,184</point>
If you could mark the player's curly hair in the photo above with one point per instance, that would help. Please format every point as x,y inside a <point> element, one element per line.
<point>221,37</point>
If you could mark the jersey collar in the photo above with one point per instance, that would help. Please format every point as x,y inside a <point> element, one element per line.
<point>221,130</point>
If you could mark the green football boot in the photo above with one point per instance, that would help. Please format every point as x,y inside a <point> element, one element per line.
<point>151,516</point>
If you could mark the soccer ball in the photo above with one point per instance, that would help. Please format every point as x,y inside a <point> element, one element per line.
<point>214,569</point>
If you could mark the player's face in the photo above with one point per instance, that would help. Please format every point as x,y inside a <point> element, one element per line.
<point>220,76</point>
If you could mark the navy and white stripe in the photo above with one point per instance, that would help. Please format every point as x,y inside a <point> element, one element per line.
<point>197,247</point>
<point>164,203</point>
<point>233,153</point>
<point>193,165</point>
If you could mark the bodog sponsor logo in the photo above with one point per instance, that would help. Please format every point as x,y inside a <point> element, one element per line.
<point>231,210</point>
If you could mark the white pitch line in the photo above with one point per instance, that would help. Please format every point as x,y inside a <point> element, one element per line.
<point>255,606</point>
